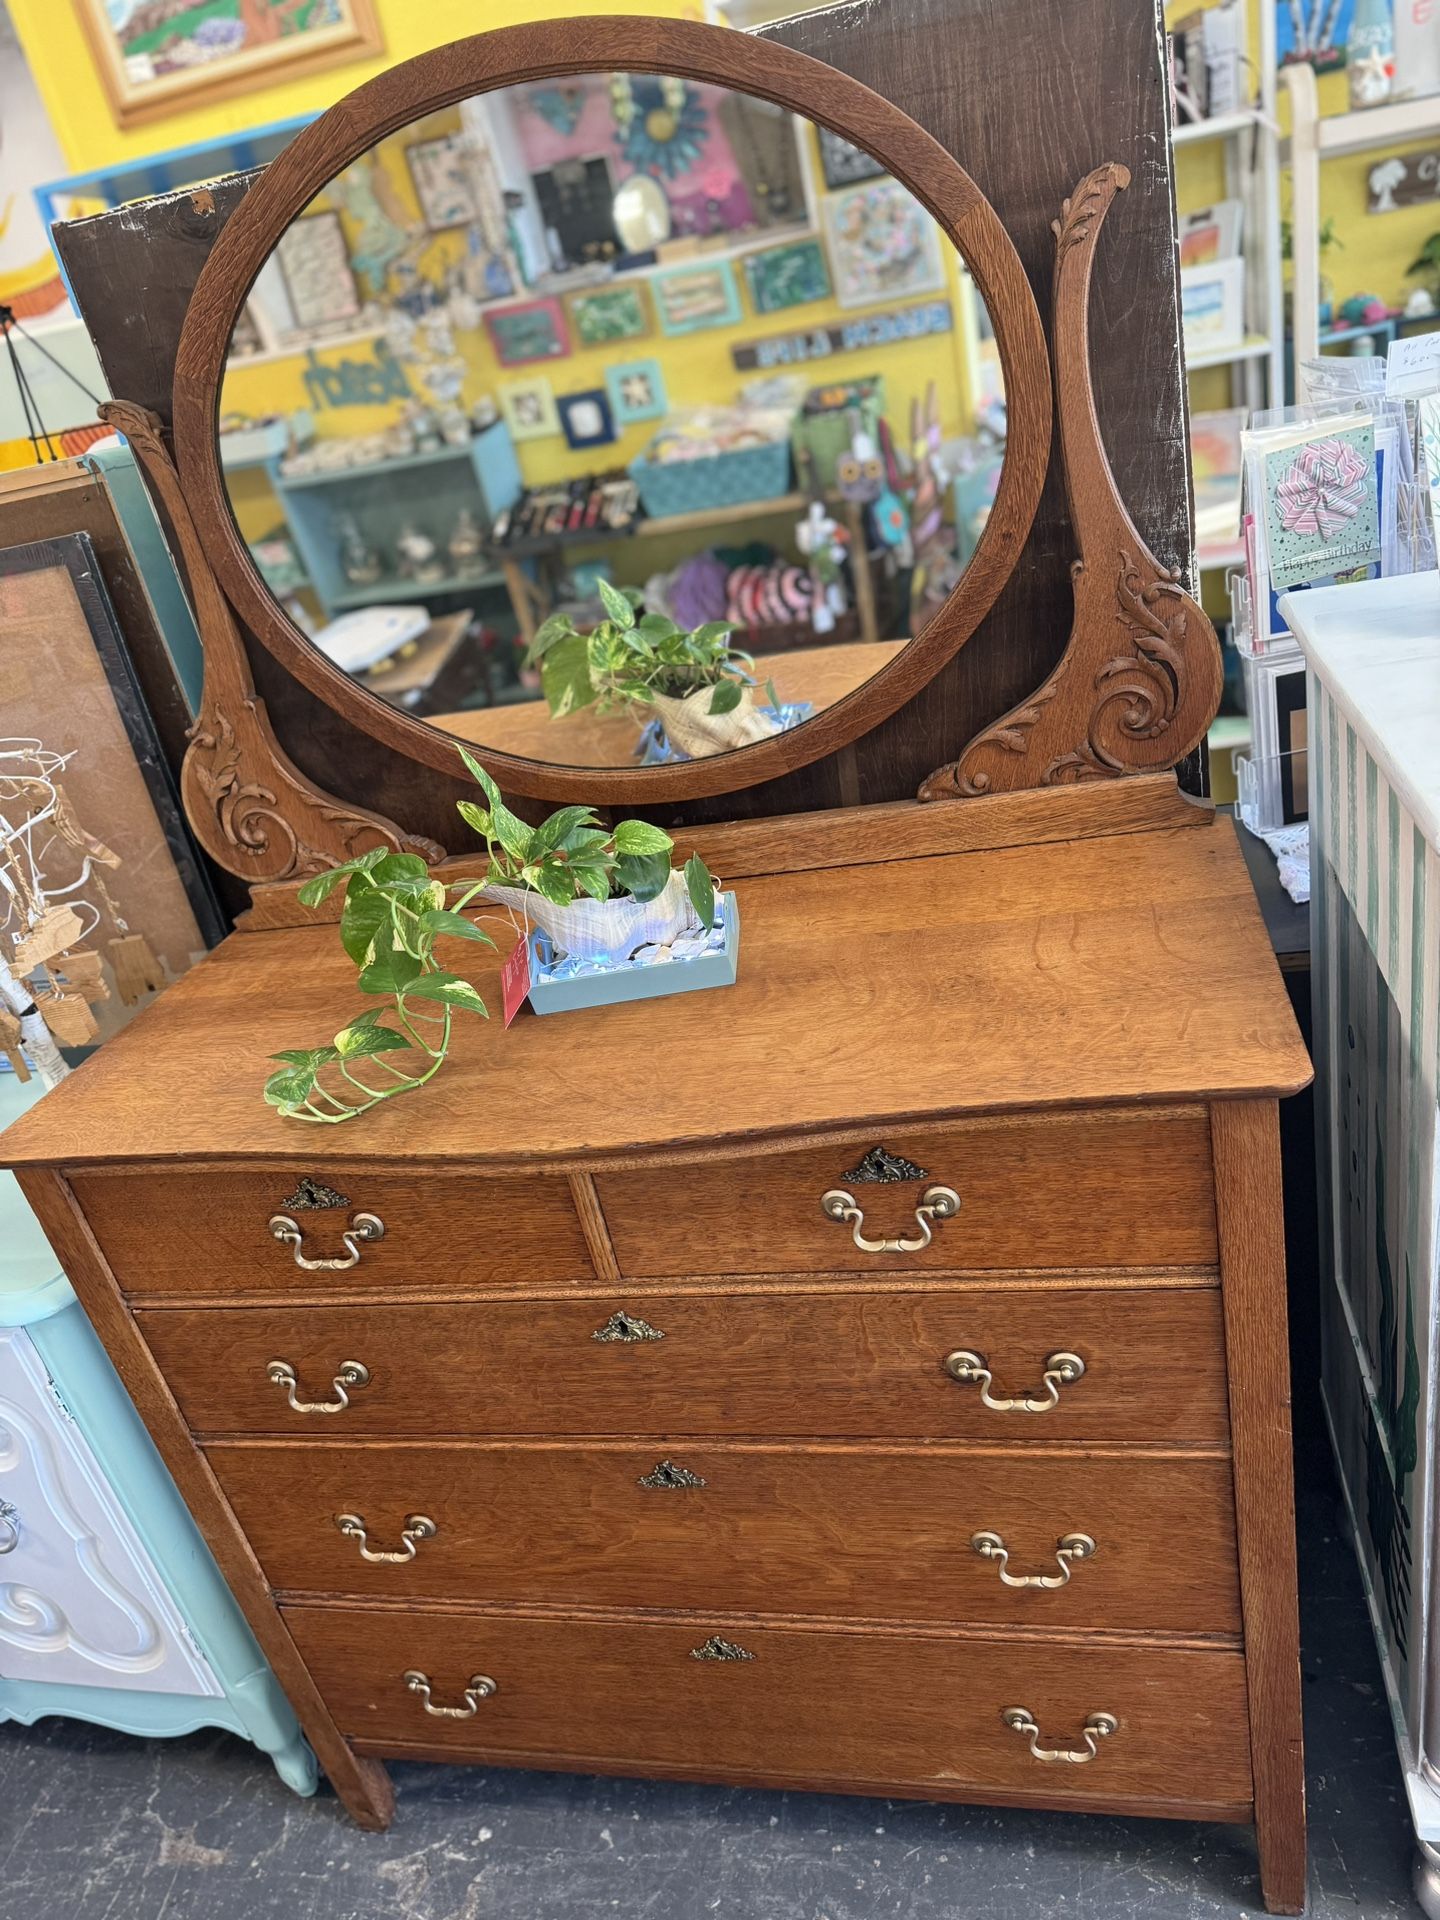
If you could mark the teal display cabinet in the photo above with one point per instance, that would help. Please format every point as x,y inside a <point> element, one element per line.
<point>111,1608</point>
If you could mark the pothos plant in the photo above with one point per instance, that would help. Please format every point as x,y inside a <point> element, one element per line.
<point>631,656</point>
<point>395,914</point>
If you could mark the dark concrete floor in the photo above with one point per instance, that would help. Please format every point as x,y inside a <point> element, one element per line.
<point>97,1826</point>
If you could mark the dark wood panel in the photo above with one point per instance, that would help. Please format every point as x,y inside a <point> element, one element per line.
<point>208,1233</point>
<point>1028,98</point>
<point>874,1706</point>
<point>1089,1190</point>
<point>865,1532</point>
<point>830,1362</point>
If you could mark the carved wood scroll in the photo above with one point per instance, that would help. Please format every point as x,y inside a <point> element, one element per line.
<point>1139,682</point>
<point>249,806</point>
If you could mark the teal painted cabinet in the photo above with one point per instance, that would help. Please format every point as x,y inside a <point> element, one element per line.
<point>111,1607</point>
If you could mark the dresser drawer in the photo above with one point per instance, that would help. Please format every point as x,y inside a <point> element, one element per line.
<point>810,1705</point>
<point>832,1362</point>
<point>1101,1189</point>
<point>865,1532</point>
<point>203,1234</point>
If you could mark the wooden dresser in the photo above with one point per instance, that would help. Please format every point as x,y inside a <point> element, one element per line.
<point>869,1378</point>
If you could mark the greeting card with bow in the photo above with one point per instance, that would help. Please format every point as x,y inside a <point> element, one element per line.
<point>1322,505</point>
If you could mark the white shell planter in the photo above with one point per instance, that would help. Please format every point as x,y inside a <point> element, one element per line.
<point>692,729</point>
<point>588,929</point>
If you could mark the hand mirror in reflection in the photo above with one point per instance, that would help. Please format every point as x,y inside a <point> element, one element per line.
<point>612,421</point>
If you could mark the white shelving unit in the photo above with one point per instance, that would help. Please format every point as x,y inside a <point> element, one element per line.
<point>1251,139</point>
<point>1313,140</point>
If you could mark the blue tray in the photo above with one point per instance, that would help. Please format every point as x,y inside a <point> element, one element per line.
<point>717,969</point>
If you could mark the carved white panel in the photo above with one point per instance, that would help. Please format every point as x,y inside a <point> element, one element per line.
<point>81,1603</point>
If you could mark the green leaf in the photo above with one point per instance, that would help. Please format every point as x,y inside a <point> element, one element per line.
<point>366,914</point>
<point>726,696</point>
<point>593,880</point>
<point>638,836</point>
<point>473,816</point>
<point>617,605</point>
<point>390,971</point>
<point>700,885</point>
<point>479,775</point>
<point>290,1088</point>
<point>440,920</point>
<point>557,628</point>
<point>315,1057</point>
<point>400,866</point>
<point>584,843</point>
<point>354,1043</point>
<point>324,884</point>
<point>513,834</point>
<point>555,883</point>
<point>449,989</point>
<point>555,831</point>
<point>714,630</point>
<point>657,626</point>
<point>643,875</point>
<point>565,677</point>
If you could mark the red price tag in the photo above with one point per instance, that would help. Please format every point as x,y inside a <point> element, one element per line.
<point>515,980</point>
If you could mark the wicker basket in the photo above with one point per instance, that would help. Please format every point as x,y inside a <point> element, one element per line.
<point>722,480</point>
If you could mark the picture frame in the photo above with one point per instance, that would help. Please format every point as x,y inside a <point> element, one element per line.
<point>604,316</point>
<point>637,392</point>
<point>792,275</point>
<point>882,244</point>
<point>843,163</point>
<point>441,182</point>
<point>70,685</point>
<point>528,408</point>
<point>535,330</point>
<point>586,418</point>
<point>145,77</point>
<point>314,263</point>
<point>691,299</point>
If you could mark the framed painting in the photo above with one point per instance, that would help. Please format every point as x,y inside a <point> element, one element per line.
<point>156,59</point>
<point>587,419</point>
<point>603,315</point>
<point>315,266</point>
<point>689,299</point>
<point>534,331</point>
<point>788,276</point>
<point>637,392</point>
<point>883,245</point>
<point>118,854</point>
<point>528,407</point>
<point>442,182</point>
<point>843,164</point>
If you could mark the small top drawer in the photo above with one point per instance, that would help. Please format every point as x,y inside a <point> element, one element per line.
<point>1101,1189</point>
<point>211,1233</point>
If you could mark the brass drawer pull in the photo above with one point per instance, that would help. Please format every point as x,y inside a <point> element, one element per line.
<point>352,1374</point>
<point>9,1527</point>
<point>1061,1370</point>
<point>1098,1727</point>
<point>667,1476</point>
<point>1071,1547</point>
<point>480,1688</point>
<point>363,1226</point>
<point>418,1526</point>
<point>939,1203</point>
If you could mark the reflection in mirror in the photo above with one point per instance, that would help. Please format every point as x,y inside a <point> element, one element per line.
<point>613,420</point>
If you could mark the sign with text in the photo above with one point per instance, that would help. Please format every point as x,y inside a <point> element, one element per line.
<point>1404,180</point>
<point>865,331</point>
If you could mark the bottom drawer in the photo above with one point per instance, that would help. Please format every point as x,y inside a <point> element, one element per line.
<point>790,1706</point>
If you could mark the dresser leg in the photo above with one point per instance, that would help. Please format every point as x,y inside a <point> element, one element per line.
<point>1245,1143</point>
<point>365,1791</point>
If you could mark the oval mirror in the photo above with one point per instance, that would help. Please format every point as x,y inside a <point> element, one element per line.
<point>612,421</point>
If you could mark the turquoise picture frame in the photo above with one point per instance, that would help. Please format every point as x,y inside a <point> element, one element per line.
<point>691,299</point>
<point>637,392</point>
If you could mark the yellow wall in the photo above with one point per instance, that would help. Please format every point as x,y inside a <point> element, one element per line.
<point>70,87</point>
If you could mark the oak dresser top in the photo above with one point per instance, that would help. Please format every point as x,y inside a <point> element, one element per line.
<point>1133,968</point>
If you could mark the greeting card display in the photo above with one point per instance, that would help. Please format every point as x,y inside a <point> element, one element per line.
<point>1322,507</point>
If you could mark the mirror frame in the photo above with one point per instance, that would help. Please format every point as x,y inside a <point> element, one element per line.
<point>546,50</point>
